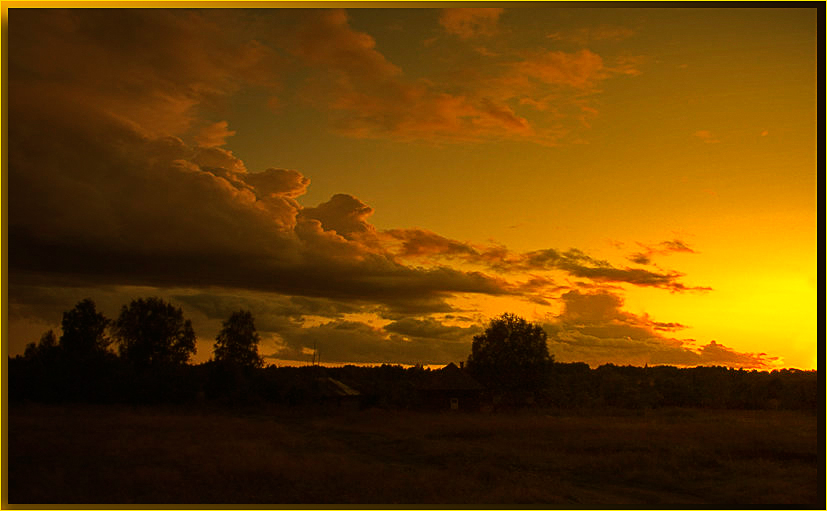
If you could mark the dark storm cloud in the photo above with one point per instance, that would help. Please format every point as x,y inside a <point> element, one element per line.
<point>288,325</point>
<point>353,341</point>
<point>271,312</point>
<point>45,305</point>
<point>106,192</point>
<point>593,328</point>
<point>148,66</point>
<point>405,340</point>
<point>420,242</point>
<point>115,180</point>
<point>431,329</point>
<point>219,304</point>
<point>35,308</point>
<point>578,264</point>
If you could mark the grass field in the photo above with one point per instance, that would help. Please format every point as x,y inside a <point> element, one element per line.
<point>663,458</point>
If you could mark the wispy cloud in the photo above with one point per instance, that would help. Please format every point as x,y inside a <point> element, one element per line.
<point>707,137</point>
<point>662,248</point>
<point>587,35</point>
<point>373,98</point>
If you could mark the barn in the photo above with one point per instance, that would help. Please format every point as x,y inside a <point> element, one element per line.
<point>333,392</point>
<point>450,388</point>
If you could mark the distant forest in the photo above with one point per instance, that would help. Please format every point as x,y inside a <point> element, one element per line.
<point>154,343</point>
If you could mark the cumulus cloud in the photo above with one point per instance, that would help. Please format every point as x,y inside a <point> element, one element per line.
<point>104,195</point>
<point>344,214</point>
<point>470,22</point>
<point>118,186</point>
<point>273,183</point>
<point>214,135</point>
<point>593,328</point>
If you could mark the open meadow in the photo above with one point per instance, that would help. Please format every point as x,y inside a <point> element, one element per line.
<point>664,458</point>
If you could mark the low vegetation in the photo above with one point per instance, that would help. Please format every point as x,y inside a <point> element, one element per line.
<point>667,458</point>
<point>87,425</point>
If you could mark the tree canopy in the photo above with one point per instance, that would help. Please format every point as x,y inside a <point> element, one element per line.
<point>84,331</point>
<point>43,350</point>
<point>510,355</point>
<point>237,342</point>
<point>151,331</point>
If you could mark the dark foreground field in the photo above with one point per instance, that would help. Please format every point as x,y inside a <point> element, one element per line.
<point>662,458</point>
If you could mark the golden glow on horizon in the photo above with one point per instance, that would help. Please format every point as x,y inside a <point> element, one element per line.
<point>610,131</point>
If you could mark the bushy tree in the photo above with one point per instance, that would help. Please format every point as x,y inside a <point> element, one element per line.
<point>151,331</point>
<point>44,350</point>
<point>237,342</point>
<point>511,355</point>
<point>84,331</point>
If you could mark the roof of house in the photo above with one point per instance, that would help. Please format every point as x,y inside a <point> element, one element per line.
<point>334,388</point>
<point>450,377</point>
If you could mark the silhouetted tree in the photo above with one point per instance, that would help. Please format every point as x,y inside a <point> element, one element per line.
<point>44,350</point>
<point>511,355</point>
<point>84,331</point>
<point>151,331</point>
<point>237,342</point>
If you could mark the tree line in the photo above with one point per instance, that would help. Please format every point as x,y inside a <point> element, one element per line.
<point>143,357</point>
<point>148,332</point>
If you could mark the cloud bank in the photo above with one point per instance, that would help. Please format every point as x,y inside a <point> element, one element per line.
<point>119,184</point>
<point>594,329</point>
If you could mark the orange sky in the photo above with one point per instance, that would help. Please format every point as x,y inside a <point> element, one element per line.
<point>381,182</point>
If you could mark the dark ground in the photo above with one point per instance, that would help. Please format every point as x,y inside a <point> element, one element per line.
<point>667,458</point>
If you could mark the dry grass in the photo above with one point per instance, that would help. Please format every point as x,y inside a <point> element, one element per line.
<point>672,458</point>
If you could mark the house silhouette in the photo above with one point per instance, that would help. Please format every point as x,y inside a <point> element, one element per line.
<point>450,388</point>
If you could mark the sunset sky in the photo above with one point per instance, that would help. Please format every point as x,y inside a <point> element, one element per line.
<point>381,182</point>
